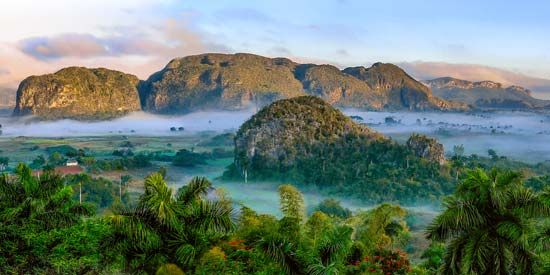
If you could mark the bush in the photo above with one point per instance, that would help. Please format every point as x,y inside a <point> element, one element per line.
<point>186,158</point>
<point>65,150</point>
<point>333,208</point>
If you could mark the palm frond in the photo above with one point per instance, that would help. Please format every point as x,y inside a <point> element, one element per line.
<point>158,199</point>
<point>452,258</point>
<point>335,245</point>
<point>321,269</point>
<point>460,215</point>
<point>196,188</point>
<point>142,235</point>
<point>186,254</point>
<point>281,251</point>
<point>477,250</point>
<point>209,216</point>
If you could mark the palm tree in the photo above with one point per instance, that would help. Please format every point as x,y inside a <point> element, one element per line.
<point>32,210</point>
<point>323,252</point>
<point>44,201</point>
<point>488,224</point>
<point>170,228</point>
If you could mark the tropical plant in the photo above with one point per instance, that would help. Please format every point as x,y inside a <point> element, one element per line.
<point>44,200</point>
<point>170,228</point>
<point>292,202</point>
<point>332,207</point>
<point>382,227</point>
<point>42,229</point>
<point>324,248</point>
<point>488,223</point>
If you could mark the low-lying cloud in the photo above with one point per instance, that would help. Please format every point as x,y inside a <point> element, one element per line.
<point>138,123</point>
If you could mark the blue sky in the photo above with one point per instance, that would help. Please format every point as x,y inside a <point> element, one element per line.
<point>499,37</point>
<point>508,34</point>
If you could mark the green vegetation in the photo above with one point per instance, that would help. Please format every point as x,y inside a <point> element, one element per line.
<point>492,224</point>
<point>99,192</point>
<point>169,228</point>
<point>306,141</point>
<point>125,163</point>
<point>42,229</point>
<point>221,140</point>
<point>188,158</point>
<point>333,208</point>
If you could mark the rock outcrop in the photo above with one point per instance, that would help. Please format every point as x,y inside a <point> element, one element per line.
<point>485,94</point>
<point>279,133</point>
<point>427,148</point>
<point>221,82</point>
<point>400,90</point>
<point>78,93</point>
<point>239,81</point>
<point>306,133</point>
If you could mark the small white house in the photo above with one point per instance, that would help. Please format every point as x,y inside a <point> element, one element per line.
<point>71,162</point>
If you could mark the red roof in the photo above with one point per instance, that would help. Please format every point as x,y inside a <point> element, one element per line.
<point>63,170</point>
<point>69,170</point>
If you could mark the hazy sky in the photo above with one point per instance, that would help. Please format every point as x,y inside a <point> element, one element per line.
<point>140,36</point>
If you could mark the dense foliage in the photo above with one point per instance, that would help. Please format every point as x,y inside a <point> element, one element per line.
<point>42,230</point>
<point>169,228</point>
<point>187,158</point>
<point>492,224</point>
<point>306,141</point>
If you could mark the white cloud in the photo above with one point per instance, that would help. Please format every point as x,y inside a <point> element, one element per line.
<point>25,18</point>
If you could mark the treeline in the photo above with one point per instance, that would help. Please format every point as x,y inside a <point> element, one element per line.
<point>123,158</point>
<point>492,224</point>
<point>355,166</point>
<point>380,172</point>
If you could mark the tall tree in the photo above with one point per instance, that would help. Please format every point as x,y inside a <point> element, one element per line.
<point>292,202</point>
<point>488,223</point>
<point>42,229</point>
<point>170,228</point>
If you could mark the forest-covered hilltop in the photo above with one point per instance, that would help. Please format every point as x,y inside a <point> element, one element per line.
<point>307,141</point>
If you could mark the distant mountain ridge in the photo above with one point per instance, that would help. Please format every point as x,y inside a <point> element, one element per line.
<point>238,81</point>
<point>485,94</point>
<point>220,81</point>
<point>7,97</point>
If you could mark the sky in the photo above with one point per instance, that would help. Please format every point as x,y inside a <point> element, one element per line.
<point>505,41</point>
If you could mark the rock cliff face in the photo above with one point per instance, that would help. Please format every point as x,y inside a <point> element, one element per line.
<point>78,93</point>
<point>427,148</point>
<point>219,81</point>
<point>292,134</point>
<point>239,81</point>
<point>485,94</point>
<point>400,90</point>
<point>279,133</point>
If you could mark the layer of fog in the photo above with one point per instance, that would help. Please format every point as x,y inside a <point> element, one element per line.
<point>264,198</point>
<point>519,135</point>
<point>139,123</point>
